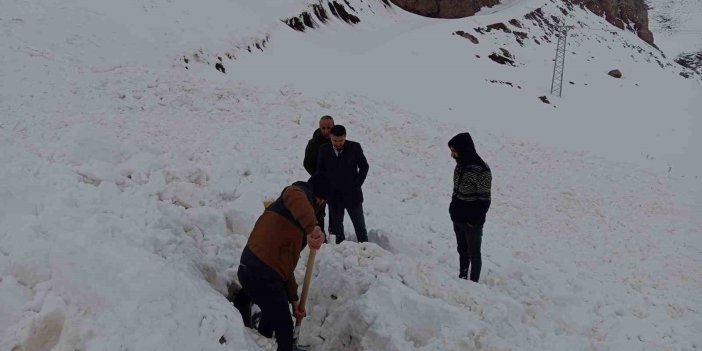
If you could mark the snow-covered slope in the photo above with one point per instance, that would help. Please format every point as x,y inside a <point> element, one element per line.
<point>131,178</point>
<point>677,25</point>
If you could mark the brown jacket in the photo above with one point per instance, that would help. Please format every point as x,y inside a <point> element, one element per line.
<point>277,238</point>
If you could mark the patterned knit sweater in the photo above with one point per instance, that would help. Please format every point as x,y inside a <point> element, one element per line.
<point>471,193</point>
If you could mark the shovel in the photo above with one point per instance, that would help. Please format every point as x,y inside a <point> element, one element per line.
<point>303,298</point>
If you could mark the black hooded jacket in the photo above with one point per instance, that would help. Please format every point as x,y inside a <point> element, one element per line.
<point>472,181</point>
<point>312,151</point>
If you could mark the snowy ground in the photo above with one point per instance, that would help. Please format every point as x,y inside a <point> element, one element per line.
<point>676,25</point>
<point>130,183</point>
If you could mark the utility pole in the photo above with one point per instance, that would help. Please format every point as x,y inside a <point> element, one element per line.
<point>559,62</point>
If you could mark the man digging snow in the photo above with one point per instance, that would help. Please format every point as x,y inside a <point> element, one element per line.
<point>266,270</point>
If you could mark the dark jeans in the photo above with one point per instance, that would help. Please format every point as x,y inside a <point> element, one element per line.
<point>469,238</point>
<point>270,294</point>
<point>320,217</point>
<point>336,222</point>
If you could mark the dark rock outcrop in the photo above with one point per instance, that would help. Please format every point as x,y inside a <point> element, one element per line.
<point>692,61</point>
<point>220,67</point>
<point>515,22</point>
<point>468,36</point>
<point>498,26</point>
<point>624,14</point>
<point>615,73</point>
<point>318,12</point>
<point>444,8</point>
<point>503,57</point>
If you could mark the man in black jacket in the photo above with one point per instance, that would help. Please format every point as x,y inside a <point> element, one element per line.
<point>472,180</point>
<point>319,138</point>
<point>343,161</point>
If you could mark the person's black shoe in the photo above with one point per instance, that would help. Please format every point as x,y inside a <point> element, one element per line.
<point>265,329</point>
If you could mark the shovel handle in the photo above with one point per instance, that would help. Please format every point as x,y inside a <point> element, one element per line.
<point>309,268</point>
<point>308,277</point>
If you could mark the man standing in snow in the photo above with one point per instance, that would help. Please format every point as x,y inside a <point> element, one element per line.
<point>347,167</point>
<point>472,180</point>
<point>268,262</point>
<point>319,138</point>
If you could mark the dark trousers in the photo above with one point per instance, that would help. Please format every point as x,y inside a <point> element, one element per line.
<point>320,217</point>
<point>270,294</point>
<point>469,238</point>
<point>336,222</point>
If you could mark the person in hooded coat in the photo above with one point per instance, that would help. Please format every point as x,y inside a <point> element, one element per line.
<point>472,181</point>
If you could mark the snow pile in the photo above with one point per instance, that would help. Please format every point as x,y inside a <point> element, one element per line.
<point>90,266</point>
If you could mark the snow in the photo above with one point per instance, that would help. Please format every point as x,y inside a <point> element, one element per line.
<point>676,25</point>
<point>130,183</point>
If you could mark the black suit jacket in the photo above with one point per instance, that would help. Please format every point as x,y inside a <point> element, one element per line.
<point>347,172</point>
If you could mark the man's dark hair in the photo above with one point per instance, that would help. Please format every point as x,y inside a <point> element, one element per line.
<point>327,117</point>
<point>338,130</point>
